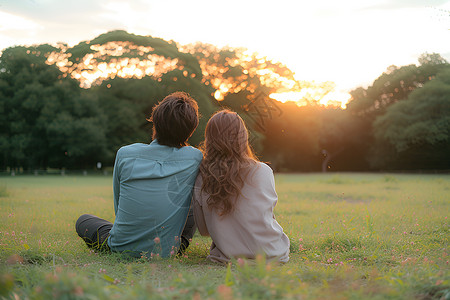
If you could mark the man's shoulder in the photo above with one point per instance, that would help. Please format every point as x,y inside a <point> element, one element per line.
<point>192,152</point>
<point>156,151</point>
<point>131,148</point>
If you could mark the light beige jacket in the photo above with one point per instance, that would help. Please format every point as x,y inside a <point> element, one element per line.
<point>251,228</point>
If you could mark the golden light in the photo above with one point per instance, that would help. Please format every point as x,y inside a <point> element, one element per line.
<point>339,99</point>
<point>92,68</point>
<point>297,97</point>
<point>306,95</point>
<point>107,62</point>
<point>251,64</point>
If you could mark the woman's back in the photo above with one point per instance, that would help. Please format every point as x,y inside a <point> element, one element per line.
<point>251,228</point>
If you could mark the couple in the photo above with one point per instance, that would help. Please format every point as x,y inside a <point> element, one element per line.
<point>233,194</point>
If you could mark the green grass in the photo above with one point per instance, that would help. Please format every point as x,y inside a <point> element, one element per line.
<point>353,236</point>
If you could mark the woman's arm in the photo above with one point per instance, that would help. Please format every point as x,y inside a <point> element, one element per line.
<point>265,181</point>
<point>199,217</point>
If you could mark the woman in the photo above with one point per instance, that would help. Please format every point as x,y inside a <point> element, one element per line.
<point>234,195</point>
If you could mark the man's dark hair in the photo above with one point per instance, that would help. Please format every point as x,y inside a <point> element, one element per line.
<point>174,119</point>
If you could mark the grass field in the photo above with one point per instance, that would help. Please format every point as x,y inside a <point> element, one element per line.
<point>353,236</point>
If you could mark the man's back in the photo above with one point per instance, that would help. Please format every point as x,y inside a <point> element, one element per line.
<point>152,187</point>
<point>152,194</point>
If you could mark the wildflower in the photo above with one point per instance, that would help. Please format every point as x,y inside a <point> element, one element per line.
<point>15,259</point>
<point>156,240</point>
<point>259,258</point>
<point>225,291</point>
<point>241,262</point>
<point>172,253</point>
<point>330,260</point>
<point>78,291</point>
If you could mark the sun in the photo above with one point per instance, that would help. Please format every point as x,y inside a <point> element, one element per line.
<point>316,95</point>
<point>339,99</point>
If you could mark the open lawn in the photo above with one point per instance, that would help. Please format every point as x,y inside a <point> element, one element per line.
<point>353,236</point>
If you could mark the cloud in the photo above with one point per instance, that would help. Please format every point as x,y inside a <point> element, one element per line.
<point>53,10</point>
<point>13,22</point>
<point>16,30</point>
<point>51,21</point>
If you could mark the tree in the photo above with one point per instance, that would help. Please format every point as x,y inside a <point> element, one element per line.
<point>415,133</point>
<point>232,70</point>
<point>392,87</point>
<point>395,85</point>
<point>35,97</point>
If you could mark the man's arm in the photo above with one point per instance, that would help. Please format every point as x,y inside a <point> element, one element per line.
<point>116,183</point>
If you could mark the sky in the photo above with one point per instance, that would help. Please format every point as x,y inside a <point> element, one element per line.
<point>349,42</point>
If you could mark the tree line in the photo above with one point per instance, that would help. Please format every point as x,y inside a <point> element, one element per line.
<point>401,121</point>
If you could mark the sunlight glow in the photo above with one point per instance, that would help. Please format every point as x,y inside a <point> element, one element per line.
<point>308,95</point>
<point>106,63</point>
<point>250,64</point>
<point>239,72</point>
<point>338,99</point>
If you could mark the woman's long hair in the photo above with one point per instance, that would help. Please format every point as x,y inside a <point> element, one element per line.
<point>226,160</point>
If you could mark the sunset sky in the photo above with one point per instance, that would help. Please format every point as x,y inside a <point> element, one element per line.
<point>349,42</point>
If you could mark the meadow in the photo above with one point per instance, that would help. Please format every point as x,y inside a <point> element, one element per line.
<point>353,236</point>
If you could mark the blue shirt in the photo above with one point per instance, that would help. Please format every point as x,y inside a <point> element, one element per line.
<point>152,193</point>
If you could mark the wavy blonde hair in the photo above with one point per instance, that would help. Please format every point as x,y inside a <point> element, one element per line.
<point>227,156</point>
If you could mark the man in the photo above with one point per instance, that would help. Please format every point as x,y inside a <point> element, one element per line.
<point>152,186</point>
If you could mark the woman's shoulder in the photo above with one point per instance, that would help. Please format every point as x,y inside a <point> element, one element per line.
<point>262,168</point>
<point>260,172</point>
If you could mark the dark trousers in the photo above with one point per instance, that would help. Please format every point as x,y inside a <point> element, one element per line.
<point>95,231</point>
<point>188,231</point>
